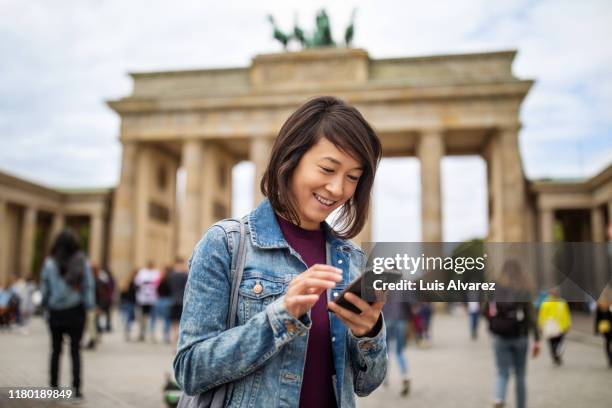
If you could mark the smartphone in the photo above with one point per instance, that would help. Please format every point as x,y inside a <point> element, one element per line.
<point>367,278</point>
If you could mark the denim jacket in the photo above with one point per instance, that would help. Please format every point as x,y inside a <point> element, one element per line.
<point>58,295</point>
<point>263,356</point>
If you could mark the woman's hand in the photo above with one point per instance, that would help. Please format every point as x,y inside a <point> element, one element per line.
<point>306,288</point>
<point>359,324</point>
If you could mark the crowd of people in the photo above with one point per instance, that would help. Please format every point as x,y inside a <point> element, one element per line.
<point>152,295</point>
<point>78,300</point>
<point>510,323</point>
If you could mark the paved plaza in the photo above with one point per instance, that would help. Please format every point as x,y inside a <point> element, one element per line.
<point>453,372</point>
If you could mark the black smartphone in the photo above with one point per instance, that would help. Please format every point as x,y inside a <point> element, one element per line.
<point>367,278</point>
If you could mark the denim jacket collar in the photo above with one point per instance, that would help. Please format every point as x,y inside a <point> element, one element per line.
<point>266,233</point>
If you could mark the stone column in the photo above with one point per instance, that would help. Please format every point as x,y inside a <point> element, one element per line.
<point>495,194</point>
<point>189,228</point>
<point>123,223</point>
<point>546,272</point>
<point>547,224</point>
<point>27,241</point>
<point>598,229</point>
<point>609,226</point>
<point>430,151</point>
<point>513,185</point>
<point>57,225</point>
<point>96,232</point>
<point>3,243</point>
<point>600,273</point>
<point>259,154</point>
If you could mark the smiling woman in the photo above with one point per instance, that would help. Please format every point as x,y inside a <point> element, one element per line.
<point>326,153</point>
<point>286,349</point>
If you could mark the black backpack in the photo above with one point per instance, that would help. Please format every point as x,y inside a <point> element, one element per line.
<point>506,319</point>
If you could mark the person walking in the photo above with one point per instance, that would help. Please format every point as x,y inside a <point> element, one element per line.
<point>554,321</point>
<point>24,288</point>
<point>105,293</point>
<point>398,313</point>
<point>473,308</point>
<point>286,348</point>
<point>67,287</point>
<point>603,321</point>
<point>163,306</point>
<point>146,281</point>
<point>511,318</point>
<point>177,281</point>
<point>127,305</point>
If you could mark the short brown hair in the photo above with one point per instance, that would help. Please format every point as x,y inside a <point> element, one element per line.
<point>345,127</point>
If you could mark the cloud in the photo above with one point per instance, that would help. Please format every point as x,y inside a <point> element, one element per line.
<point>63,59</point>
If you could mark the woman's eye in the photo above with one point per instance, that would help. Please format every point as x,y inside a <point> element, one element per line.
<point>325,169</point>
<point>353,178</point>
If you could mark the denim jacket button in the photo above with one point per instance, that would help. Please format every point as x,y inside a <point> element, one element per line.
<point>257,288</point>
<point>339,261</point>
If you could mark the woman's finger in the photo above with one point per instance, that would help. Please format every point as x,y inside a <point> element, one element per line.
<point>303,285</point>
<point>302,300</point>
<point>354,318</point>
<point>325,268</point>
<point>332,276</point>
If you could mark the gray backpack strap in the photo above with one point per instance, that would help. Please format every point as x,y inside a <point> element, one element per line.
<point>216,398</point>
<point>237,278</point>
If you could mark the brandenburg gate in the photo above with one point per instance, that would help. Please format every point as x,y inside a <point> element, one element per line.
<point>206,121</point>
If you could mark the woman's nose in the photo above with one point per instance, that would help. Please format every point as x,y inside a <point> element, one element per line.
<point>335,188</point>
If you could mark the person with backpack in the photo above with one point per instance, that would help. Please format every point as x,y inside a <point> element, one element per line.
<point>603,321</point>
<point>146,281</point>
<point>68,291</point>
<point>105,294</point>
<point>511,318</point>
<point>554,321</point>
<point>286,349</point>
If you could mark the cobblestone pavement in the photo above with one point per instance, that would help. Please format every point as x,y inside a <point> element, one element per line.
<point>453,372</point>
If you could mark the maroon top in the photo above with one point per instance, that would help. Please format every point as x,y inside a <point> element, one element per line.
<point>317,384</point>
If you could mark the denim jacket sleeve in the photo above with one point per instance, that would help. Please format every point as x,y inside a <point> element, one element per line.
<point>368,356</point>
<point>208,355</point>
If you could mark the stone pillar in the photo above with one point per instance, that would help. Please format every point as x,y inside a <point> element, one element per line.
<point>609,226</point>
<point>547,225</point>
<point>598,229</point>
<point>123,223</point>
<point>546,273</point>
<point>57,225</point>
<point>96,232</point>
<point>3,243</point>
<point>259,154</point>
<point>430,151</point>
<point>27,241</point>
<point>513,185</point>
<point>495,193</point>
<point>190,223</point>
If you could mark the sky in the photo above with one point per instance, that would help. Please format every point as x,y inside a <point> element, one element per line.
<point>62,59</point>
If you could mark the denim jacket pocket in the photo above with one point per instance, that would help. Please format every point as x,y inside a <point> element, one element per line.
<point>256,292</point>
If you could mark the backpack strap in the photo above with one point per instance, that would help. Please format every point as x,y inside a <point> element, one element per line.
<point>238,262</point>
